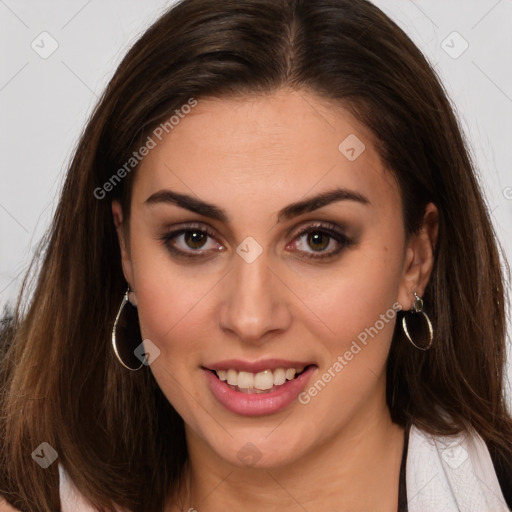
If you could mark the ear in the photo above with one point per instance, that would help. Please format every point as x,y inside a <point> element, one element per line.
<point>126,262</point>
<point>419,258</point>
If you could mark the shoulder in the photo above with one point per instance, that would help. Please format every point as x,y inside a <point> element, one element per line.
<point>5,507</point>
<point>458,468</point>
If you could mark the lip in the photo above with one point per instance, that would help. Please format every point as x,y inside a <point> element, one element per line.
<point>257,404</point>
<point>256,366</point>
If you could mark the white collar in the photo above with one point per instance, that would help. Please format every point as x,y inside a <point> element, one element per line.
<point>452,474</point>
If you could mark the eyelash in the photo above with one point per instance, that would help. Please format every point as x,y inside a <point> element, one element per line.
<point>324,228</point>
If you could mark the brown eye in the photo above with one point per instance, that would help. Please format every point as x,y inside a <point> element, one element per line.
<point>191,241</point>
<point>195,239</point>
<point>315,241</point>
<point>318,240</point>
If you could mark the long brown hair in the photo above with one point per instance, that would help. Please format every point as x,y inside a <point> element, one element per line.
<point>115,433</point>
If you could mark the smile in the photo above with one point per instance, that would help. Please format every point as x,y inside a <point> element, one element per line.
<point>260,391</point>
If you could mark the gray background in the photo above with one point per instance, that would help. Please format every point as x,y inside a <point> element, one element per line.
<point>45,102</point>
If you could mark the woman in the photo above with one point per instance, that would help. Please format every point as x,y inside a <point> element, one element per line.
<point>271,283</point>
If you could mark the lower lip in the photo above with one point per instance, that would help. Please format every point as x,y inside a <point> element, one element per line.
<point>258,404</point>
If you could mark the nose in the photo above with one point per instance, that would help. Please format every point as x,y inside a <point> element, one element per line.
<point>254,306</point>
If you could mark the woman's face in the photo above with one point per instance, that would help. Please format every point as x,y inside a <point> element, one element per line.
<point>227,277</point>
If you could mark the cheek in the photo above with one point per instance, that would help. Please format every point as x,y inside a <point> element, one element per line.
<point>169,312</point>
<point>360,310</point>
<point>173,316</point>
<point>358,294</point>
<point>167,293</point>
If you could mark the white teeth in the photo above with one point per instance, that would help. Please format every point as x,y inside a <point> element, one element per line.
<point>232,377</point>
<point>279,376</point>
<point>262,380</point>
<point>257,382</point>
<point>290,373</point>
<point>246,380</point>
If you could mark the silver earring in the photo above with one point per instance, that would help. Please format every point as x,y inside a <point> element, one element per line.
<point>132,337</point>
<point>418,309</point>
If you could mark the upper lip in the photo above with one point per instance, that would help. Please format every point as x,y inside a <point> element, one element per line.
<point>256,366</point>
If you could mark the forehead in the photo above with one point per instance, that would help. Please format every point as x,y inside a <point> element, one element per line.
<point>267,149</point>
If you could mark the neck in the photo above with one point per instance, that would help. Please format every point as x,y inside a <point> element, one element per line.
<point>358,469</point>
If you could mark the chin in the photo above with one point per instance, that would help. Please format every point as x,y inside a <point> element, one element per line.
<point>260,448</point>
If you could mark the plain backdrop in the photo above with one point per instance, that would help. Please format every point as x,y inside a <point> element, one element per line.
<point>57,57</point>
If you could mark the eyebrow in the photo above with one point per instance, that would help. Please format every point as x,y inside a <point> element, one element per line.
<point>293,210</point>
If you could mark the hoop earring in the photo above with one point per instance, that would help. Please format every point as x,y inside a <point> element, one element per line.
<point>134,334</point>
<point>418,308</point>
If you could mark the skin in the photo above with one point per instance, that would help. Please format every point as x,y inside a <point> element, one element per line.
<point>253,156</point>
<point>5,507</point>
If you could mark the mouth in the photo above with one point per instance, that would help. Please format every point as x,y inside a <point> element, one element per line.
<point>256,389</point>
